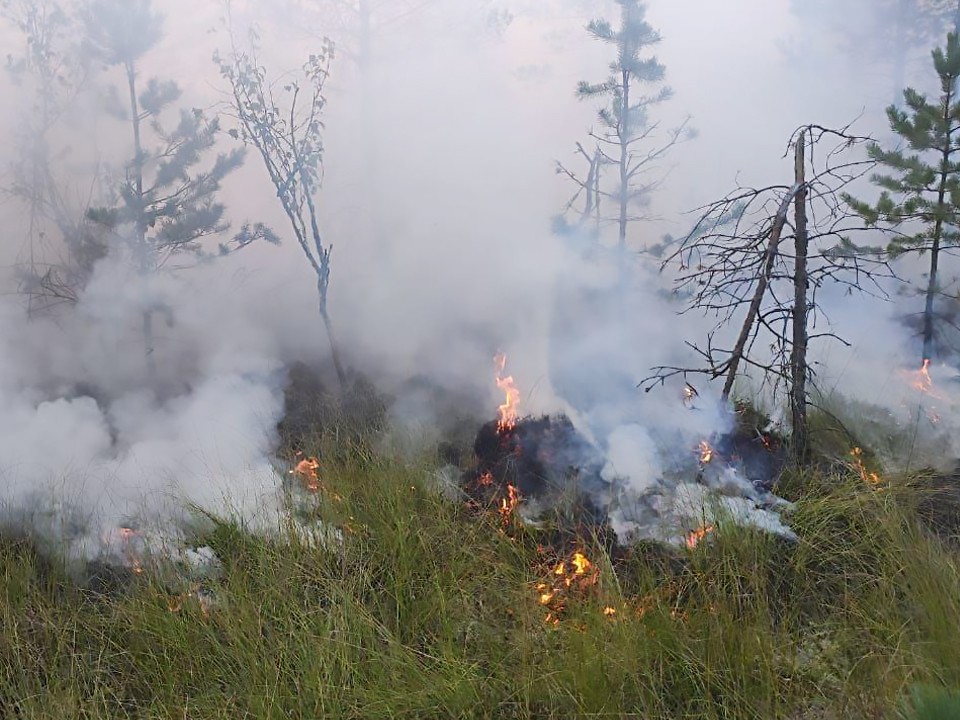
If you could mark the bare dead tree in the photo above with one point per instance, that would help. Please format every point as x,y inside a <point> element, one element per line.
<point>737,262</point>
<point>288,136</point>
<point>588,188</point>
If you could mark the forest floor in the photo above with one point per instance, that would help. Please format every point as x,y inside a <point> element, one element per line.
<point>424,609</point>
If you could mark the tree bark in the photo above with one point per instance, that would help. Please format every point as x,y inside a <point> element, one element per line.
<point>143,255</point>
<point>148,344</point>
<point>770,257</point>
<point>945,150</point>
<point>624,157</point>
<point>798,353</point>
<point>900,52</point>
<point>334,347</point>
<point>140,220</point>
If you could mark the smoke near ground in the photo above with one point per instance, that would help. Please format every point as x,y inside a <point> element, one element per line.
<point>439,190</point>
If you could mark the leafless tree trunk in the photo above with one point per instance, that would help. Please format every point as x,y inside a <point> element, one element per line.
<point>289,140</point>
<point>140,225</point>
<point>798,353</point>
<point>763,281</point>
<point>624,161</point>
<point>736,259</point>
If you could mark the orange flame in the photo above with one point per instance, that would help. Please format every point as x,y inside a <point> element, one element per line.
<point>306,470</point>
<point>509,503</point>
<point>508,412</point>
<point>923,382</point>
<point>706,452</point>
<point>576,574</point>
<point>871,478</point>
<point>695,537</point>
<point>609,611</point>
<point>580,563</point>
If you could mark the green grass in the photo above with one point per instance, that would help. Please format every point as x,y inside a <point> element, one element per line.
<point>428,612</point>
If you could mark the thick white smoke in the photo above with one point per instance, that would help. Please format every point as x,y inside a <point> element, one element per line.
<point>90,444</point>
<point>439,188</point>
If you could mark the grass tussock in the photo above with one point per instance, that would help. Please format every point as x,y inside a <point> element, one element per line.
<point>428,611</point>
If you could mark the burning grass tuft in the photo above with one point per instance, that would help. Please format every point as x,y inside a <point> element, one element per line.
<point>426,609</point>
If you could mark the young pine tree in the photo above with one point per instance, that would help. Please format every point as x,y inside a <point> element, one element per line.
<point>920,198</point>
<point>625,116</point>
<point>168,202</point>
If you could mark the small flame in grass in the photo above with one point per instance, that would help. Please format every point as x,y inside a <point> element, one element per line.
<point>610,611</point>
<point>871,478</point>
<point>508,412</point>
<point>509,503</point>
<point>695,537</point>
<point>706,452</point>
<point>575,575</point>
<point>580,563</point>
<point>307,470</point>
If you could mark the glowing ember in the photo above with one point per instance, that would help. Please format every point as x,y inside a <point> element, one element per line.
<point>306,469</point>
<point>694,538</point>
<point>706,452</point>
<point>871,478</point>
<point>485,480</point>
<point>508,412</point>
<point>689,393</point>
<point>509,503</point>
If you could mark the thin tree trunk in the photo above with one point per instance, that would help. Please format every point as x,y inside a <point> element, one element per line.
<point>148,344</point>
<point>143,256</point>
<point>334,347</point>
<point>624,129</point>
<point>900,52</point>
<point>597,200</point>
<point>931,293</point>
<point>140,221</point>
<point>798,353</point>
<point>928,315</point>
<point>624,157</point>
<point>589,185</point>
<point>770,257</point>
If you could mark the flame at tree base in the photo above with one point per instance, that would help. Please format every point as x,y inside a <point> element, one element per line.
<point>508,412</point>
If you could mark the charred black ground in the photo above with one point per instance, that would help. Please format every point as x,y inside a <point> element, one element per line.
<point>546,460</point>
